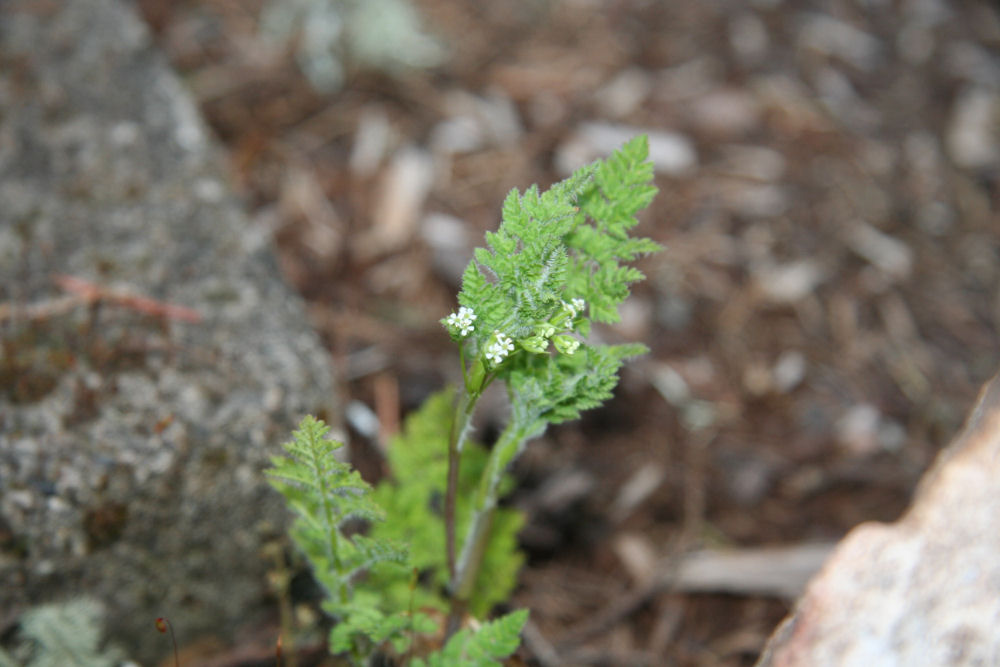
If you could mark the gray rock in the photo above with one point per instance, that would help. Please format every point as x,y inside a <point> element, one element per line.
<point>921,591</point>
<point>131,442</point>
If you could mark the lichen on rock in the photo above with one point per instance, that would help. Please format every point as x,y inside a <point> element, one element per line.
<point>131,442</point>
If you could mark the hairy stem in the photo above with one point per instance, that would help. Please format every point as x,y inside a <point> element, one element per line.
<point>460,427</point>
<point>507,448</point>
<point>333,543</point>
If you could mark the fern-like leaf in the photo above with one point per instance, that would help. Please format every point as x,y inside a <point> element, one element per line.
<point>518,280</point>
<point>67,633</point>
<point>493,642</point>
<point>326,494</point>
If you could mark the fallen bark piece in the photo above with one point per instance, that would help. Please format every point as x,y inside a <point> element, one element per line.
<point>922,591</point>
<point>773,572</point>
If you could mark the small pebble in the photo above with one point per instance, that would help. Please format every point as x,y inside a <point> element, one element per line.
<point>892,256</point>
<point>788,283</point>
<point>637,489</point>
<point>973,133</point>
<point>624,93</point>
<point>637,555</point>
<point>371,141</point>
<point>670,152</point>
<point>726,111</point>
<point>748,38</point>
<point>833,37</point>
<point>857,430</point>
<point>789,371</point>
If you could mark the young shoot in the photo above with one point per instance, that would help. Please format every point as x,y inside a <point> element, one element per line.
<point>556,264</point>
<point>437,543</point>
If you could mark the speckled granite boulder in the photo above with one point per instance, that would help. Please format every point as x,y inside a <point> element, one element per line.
<point>132,439</point>
<point>922,592</point>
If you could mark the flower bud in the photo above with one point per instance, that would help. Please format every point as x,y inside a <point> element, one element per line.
<point>566,344</point>
<point>534,344</point>
<point>545,330</point>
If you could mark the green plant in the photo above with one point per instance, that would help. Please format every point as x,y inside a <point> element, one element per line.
<point>66,633</point>
<point>556,264</point>
<point>327,495</point>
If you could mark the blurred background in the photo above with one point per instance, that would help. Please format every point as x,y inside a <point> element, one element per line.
<point>820,322</point>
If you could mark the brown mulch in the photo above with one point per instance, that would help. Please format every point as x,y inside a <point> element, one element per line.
<point>827,301</point>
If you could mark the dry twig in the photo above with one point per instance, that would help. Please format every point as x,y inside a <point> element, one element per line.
<point>84,292</point>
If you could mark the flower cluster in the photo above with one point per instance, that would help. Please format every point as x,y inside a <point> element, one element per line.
<point>575,306</point>
<point>498,350</point>
<point>566,344</point>
<point>562,321</point>
<point>462,321</point>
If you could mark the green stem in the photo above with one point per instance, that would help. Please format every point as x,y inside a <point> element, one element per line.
<point>332,530</point>
<point>507,448</point>
<point>473,550</point>
<point>460,427</point>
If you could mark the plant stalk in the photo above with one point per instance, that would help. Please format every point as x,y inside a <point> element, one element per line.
<point>507,448</point>
<point>333,543</point>
<point>460,427</point>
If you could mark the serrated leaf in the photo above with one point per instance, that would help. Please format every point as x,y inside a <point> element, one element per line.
<point>326,494</point>
<point>493,642</point>
<point>67,633</point>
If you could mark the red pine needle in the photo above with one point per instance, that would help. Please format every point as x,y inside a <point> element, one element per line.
<point>90,292</point>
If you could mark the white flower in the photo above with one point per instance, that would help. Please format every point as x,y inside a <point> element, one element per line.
<point>462,320</point>
<point>575,306</point>
<point>498,350</point>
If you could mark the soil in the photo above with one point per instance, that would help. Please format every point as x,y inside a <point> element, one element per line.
<point>819,324</point>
